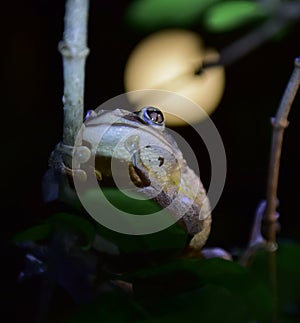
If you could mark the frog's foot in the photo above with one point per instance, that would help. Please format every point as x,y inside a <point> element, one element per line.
<point>78,155</point>
<point>80,174</point>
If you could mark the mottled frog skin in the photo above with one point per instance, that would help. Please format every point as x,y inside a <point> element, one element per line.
<point>136,148</point>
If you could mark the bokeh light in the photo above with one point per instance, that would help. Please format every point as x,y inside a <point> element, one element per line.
<point>171,60</point>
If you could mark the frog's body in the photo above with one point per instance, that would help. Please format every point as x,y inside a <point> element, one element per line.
<point>135,147</point>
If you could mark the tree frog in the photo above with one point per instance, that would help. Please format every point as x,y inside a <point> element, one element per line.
<point>137,150</point>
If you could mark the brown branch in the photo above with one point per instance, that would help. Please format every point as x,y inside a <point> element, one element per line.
<point>279,123</point>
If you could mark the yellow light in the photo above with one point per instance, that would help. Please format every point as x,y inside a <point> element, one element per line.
<point>167,60</point>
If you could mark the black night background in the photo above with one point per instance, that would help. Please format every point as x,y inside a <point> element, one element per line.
<point>32,88</point>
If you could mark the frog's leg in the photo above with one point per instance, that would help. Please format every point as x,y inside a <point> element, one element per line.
<point>199,239</point>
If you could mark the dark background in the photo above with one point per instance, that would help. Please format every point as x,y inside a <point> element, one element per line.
<point>31,84</point>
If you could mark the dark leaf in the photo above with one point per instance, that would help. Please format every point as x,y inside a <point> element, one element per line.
<point>155,14</point>
<point>77,224</point>
<point>36,233</point>
<point>288,269</point>
<point>173,237</point>
<point>228,15</point>
<point>247,297</point>
<point>113,307</point>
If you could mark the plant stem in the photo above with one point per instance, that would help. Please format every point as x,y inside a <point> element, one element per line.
<point>279,123</point>
<point>74,52</point>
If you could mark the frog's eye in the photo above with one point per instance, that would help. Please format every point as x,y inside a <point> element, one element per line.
<point>152,116</point>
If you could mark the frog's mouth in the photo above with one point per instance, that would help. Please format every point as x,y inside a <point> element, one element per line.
<point>105,176</point>
<point>108,170</point>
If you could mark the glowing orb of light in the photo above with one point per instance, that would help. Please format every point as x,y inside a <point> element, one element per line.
<point>171,60</point>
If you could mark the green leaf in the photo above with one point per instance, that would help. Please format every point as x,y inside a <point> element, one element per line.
<point>173,237</point>
<point>210,303</point>
<point>219,272</point>
<point>228,15</point>
<point>216,291</point>
<point>156,14</point>
<point>209,290</point>
<point>254,294</point>
<point>288,278</point>
<point>76,223</point>
<point>133,204</point>
<point>36,233</point>
<point>114,307</point>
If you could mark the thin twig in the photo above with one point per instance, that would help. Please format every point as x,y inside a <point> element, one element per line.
<point>285,14</point>
<point>279,123</point>
<point>250,41</point>
<point>74,52</point>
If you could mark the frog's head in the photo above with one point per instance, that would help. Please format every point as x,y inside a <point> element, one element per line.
<point>132,143</point>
